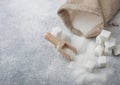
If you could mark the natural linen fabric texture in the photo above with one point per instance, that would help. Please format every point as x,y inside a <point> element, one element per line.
<point>105,9</point>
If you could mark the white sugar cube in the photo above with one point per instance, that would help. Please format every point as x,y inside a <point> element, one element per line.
<point>102,61</point>
<point>90,65</point>
<point>107,52</point>
<point>116,50</point>
<point>110,44</point>
<point>99,50</point>
<point>57,32</point>
<point>99,41</point>
<point>105,35</point>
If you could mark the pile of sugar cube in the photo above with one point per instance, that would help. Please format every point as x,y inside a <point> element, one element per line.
<point>106,46</point>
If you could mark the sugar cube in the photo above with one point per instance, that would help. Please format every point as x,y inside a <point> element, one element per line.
<point>57,32</point>
<point>105,34</point>
<point>90,65</point>
<point>99,50</point>
<point>116,50</point>
<point>107,52</point>
<point>102,61</point>
<point>99,41</point>
<point>110,44</point>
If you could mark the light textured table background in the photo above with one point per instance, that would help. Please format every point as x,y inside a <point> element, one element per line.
<point>25,57</point>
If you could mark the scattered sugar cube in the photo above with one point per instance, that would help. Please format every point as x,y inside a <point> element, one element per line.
<point>105,35</point>
<point>99,50</point>
<point>102,61</point>
<point>107,52</point>
<point>116,50</point>
<point>99,41</point>
<point>57,32</point>
<point>90,65</point>
<point>110,44</point>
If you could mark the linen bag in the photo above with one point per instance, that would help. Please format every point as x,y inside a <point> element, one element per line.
<point>102,9</point>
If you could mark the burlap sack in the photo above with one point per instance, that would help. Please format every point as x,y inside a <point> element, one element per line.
<point>105,9</point>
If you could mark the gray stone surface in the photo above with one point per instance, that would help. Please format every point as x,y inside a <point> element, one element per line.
<point>25,56</point>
